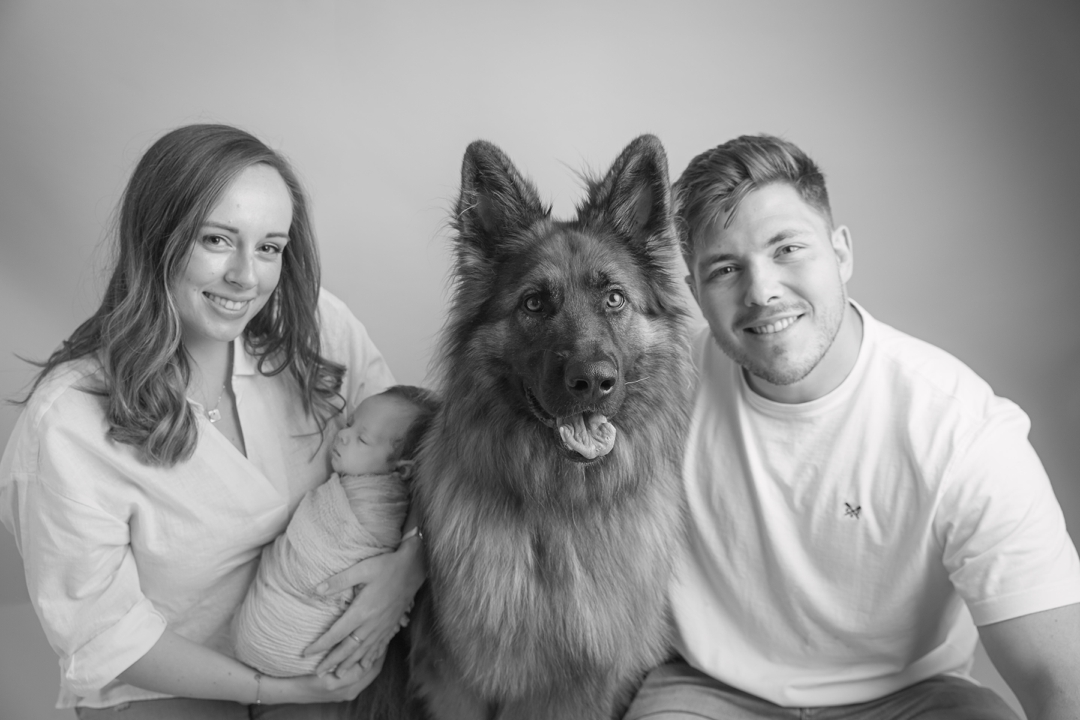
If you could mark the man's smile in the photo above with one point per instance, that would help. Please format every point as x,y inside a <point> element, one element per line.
<point>773,327</point>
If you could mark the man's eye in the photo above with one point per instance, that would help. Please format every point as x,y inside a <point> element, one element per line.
<point>722,270</point>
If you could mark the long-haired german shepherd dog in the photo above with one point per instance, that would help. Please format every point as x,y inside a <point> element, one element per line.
<point>549,485</point>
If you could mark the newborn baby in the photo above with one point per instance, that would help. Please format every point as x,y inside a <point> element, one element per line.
<point>354,515</point>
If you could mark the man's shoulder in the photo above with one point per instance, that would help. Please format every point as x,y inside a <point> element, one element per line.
<point>925,372</point>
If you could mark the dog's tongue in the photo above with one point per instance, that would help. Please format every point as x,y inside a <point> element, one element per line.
<point>588,434</point>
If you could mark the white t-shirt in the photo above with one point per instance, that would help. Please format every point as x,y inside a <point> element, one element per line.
<point>116,550</point>
<point>841,548</point>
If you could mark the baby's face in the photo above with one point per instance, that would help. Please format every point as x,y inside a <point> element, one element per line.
<point>366,444</point>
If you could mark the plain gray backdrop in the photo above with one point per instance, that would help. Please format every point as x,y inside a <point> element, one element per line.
<point>946,131</point>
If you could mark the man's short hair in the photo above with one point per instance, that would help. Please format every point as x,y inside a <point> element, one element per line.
<point>716,181</point>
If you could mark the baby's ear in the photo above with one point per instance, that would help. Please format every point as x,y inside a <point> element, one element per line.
<point>405,468</point>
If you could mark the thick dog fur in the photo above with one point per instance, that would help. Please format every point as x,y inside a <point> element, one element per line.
<point>547,572</point>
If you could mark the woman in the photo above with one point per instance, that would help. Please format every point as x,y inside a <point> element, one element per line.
<point>173,434</point>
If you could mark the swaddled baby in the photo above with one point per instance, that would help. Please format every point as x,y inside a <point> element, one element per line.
<point>354,515</point>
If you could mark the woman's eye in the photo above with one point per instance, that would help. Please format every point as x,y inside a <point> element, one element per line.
<point>213,240</point>
<point>533,304</point>
<point>272,249</point>
<point>615,299</point>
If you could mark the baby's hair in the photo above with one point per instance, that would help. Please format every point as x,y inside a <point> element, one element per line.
<point>426,403</point>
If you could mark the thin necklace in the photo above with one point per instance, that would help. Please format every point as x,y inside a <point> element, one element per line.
<point>213,414</point>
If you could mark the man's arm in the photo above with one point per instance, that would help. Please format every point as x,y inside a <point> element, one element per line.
<point>1038,655</point>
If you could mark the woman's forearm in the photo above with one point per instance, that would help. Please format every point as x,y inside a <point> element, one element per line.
<point>177,666</point>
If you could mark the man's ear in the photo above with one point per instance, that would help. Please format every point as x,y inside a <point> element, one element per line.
<point>405,468</point>
<point>845,253</point>
<point>693,287</point>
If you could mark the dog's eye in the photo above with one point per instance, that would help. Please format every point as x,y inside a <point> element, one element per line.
<point>615,300</point>
<point>533,304</point>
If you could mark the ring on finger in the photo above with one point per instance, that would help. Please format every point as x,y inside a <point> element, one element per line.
<point>353,636</point>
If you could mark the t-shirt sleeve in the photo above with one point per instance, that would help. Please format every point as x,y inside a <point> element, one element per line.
<point>80,570</point>
<point>346,341</point>
<point>1006,546</point>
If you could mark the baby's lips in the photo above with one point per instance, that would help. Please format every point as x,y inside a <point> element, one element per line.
<point>591,439</point>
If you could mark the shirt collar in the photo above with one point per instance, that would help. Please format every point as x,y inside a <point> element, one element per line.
<point>243,362</point>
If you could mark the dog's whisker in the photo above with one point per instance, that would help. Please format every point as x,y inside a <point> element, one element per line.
<point>631,382</point>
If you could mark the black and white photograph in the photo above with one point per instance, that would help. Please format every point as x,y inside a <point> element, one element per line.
<point>581,360</point>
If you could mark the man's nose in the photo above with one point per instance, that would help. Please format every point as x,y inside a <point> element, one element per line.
<point>762,284</point>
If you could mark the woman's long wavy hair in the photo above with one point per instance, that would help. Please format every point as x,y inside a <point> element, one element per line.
<point>136,332</point>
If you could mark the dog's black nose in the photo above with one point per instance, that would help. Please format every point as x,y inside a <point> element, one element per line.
<point>591,381</point>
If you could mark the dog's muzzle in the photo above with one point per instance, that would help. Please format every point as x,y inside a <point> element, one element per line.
<point>589,434</point>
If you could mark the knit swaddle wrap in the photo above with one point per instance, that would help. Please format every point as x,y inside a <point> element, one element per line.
<point>338,524</point>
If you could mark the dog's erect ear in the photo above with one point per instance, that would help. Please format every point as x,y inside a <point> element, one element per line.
<point>496,201</point>
<point>634,198</point>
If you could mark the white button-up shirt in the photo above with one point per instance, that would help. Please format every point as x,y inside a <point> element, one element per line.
<point>116,550</point>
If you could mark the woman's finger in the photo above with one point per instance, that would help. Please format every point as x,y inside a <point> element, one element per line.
<point>337,655</point>
<point>359,574</point>
<point>366,658</point>
<point>367,676</point>
<point>376,652</point>
<point>367,647</point>
<point>352,621</point>
<point>367,655</point>
<point>350,663</point>
<point>366,652</point>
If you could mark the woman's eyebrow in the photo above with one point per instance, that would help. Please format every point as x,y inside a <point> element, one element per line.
<point>221,226</point>
<point>236,231</point>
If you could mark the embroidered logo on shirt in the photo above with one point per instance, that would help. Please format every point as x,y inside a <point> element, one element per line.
<point>852,512</point>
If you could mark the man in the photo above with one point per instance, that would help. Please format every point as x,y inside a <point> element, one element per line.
<point>863,508</point>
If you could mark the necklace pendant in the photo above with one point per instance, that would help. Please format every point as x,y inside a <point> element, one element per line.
<point>213,415</point>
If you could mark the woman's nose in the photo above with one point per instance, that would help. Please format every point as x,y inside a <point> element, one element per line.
<point>241,270</point>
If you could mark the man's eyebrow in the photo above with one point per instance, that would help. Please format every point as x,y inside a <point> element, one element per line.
<point>717,258</point>
<point>783,235</point>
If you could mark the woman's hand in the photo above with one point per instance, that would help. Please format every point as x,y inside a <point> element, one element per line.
<point>178,666</point>
<point>319,688</point>
<point>388,584</point>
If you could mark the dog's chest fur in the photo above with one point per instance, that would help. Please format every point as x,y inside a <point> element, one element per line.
<point>560,592</point>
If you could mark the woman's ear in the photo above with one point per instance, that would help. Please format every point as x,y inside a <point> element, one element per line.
<point>405,468</point>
